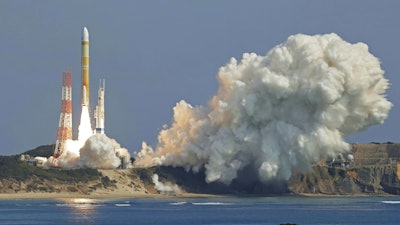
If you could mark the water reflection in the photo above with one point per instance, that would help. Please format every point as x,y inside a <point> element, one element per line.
<point>83,210</point>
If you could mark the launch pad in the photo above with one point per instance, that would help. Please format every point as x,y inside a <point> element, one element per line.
<point>65,145</point>
<point>65,124</point>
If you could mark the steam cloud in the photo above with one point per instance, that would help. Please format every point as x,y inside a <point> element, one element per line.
<point>278,113</point>
<point>98,152</point>
<point>164,188</point>
<point>89,151</point>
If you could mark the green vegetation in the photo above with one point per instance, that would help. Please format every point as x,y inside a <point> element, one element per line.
<point>337,172</point>
<point>145,174</point>
<point>12,167</point>
<point>107,182</point>
<point>72,189</point>
<point>44,151</point>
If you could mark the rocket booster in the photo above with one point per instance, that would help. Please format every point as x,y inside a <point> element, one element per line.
<point>99,111</point>
<point>85,67</point>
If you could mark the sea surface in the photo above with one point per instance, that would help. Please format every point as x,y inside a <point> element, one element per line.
<point>193,211</point>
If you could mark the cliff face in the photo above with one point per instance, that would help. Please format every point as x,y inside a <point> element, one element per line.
<point>374,170</point>
<point>380,179</point>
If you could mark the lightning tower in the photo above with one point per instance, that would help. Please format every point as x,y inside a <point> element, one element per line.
<point>65,125</point>
<point>99,111</point>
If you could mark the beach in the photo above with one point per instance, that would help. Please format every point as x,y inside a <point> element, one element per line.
<point>99,195</point>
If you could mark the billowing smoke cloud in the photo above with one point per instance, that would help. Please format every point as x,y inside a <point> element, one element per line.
<point>165,188</point>
<point>278,113</point>
<point>89,151</point>
<point>98,152</point>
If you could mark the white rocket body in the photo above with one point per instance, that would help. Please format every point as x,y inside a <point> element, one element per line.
<point>99,111</point>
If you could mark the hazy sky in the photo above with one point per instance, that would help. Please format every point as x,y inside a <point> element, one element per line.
<point>155,53</point>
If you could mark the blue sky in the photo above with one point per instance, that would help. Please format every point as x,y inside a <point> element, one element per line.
<point>155,53</point>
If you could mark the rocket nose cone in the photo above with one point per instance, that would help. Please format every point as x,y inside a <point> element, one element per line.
<point>85,34</point>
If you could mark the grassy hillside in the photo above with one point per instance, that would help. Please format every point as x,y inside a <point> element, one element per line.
<point>44,151</point>
<point>13,167</point>
<point>19,176</point>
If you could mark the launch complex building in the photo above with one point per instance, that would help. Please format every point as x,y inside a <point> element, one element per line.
<point>64,131</point>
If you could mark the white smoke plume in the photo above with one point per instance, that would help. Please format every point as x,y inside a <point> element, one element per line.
<point>164,188</point>
<point>277,114</point>
<point>85,127</point>
<point>90,151</point>
<point>98,152</point>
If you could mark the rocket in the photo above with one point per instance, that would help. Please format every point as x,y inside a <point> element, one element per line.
<point>85,67</point>
<point>99,111</point>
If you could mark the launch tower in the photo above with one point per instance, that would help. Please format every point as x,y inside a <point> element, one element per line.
<point>65,125</point>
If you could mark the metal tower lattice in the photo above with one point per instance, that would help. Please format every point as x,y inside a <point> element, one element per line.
<point>64,131</point>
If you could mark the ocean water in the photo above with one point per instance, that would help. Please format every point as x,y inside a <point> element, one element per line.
<point>193,211</point>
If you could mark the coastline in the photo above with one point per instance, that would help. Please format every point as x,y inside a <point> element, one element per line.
<point>122,195</point>
<point>53,195</point>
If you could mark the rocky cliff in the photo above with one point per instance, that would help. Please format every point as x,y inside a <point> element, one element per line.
<point>378,179</point>
<point>374,169</point>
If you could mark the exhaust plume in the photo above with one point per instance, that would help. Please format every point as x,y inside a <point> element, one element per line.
<point>85,127</point>
<point>98,152</point>
<point>90,151</point>
<point>166,188</point>
<point>276,114</point>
